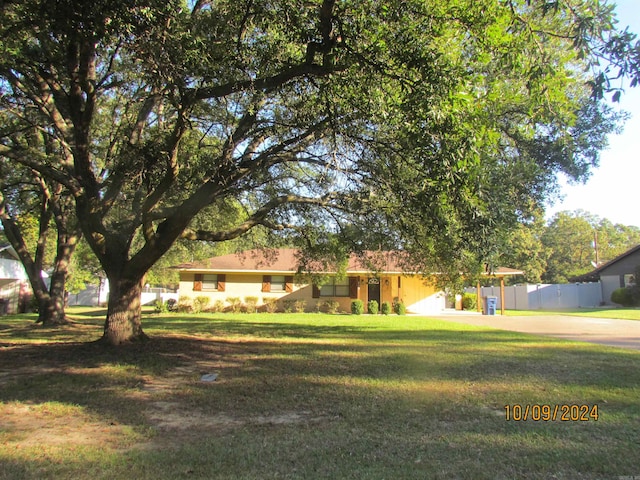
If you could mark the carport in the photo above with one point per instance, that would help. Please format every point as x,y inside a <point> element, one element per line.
<point>500,273</point>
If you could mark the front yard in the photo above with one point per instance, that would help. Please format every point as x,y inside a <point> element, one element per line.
<point>312,396</point>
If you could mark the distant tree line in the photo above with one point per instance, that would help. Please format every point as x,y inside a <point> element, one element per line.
<point>568,245</point>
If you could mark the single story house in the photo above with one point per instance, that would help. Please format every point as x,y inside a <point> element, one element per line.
<point>271,275</point>
<point>617,273</point>
<point>15,290</point>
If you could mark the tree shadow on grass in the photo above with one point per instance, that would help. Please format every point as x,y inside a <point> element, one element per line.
<point>272,350</point>
<point>350,391</point>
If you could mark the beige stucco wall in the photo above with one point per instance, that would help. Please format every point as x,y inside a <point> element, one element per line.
<point>416,295</point>
<point>242,285</point>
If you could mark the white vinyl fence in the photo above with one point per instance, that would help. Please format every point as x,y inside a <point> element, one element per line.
<point>96,295</point>
<point>546,296</point>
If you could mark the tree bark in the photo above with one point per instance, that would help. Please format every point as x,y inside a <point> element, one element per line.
<point>52,303</point>
<point>123,323</point>
<point>51,309</point>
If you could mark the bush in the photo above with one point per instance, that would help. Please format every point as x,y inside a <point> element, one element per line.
<point>288,305</point>
<point>235,304</point>
<point>385,309</point>
<point>203,300</point>
<point>185,305</point>
<point>372,307</point>
<point>357,307</point>
<point>160,307</point>
<point>399,308</point>
<point>270,305</point>
<point>299,306</point>
<point>330,306</point>
<point>469,301</point>
<point>624,296</point>
<point>251,304</point>
<point>218,306</point>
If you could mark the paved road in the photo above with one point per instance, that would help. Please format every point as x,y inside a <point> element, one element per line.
<point>605,331</point>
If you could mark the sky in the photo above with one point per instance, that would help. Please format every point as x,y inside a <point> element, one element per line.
<point>613,190</point>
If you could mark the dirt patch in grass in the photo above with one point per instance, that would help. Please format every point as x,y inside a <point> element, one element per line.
<point>172,416</point>
<point>25,426</point>
<point>179,419</point>
<point>149,381</point>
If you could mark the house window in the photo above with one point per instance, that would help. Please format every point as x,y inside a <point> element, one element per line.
<point>629,280</point>
<point>210,282</point>
<point>278,283</point>
<point>335,288</point>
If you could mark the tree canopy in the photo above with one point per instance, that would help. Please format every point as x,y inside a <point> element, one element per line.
<point>420,125</point>
<point>570,244</point>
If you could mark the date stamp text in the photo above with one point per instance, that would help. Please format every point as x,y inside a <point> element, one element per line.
<point>551,413</point>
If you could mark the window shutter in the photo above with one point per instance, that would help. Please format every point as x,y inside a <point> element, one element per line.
<point>197,283</point>
<point>266,283</point>
<point>222,280</point>
<point>353,286</point>
<point>288,284</point>
<point>315,291</point>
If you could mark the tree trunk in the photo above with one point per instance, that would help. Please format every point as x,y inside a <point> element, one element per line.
<point>51,308</point>
<point>123,323</point>
<point>50,312</point>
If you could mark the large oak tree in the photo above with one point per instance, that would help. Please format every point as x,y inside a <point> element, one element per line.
<point>430,125</point>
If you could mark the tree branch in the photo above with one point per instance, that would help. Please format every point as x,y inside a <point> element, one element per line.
<point>258,218</point>
<point>26,157</point>
<point>299,71</point>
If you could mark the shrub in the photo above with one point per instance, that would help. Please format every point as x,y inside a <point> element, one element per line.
<point>469,301</point>
<point>372,307</point>
<point>160,307</point>
<point>299,306</point>
<point>218,306</point>
<point>330,306</point>
<point>201,302</point>
<point>385,309</point>
<point>624,297</point>
<point>270,304</point>
<point>251,304</point>
<point>399,308</point>
<point>235,304</point>
<point>357,307</point>
<point>196,306</point>
<point>288,305</point>
<point>185,305</point>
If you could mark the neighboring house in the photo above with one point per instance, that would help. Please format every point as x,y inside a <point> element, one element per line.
<point>617,273</point>
<point>15,290</point>
<point>272,275</point>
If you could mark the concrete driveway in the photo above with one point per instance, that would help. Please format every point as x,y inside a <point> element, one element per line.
<point>604,331</point>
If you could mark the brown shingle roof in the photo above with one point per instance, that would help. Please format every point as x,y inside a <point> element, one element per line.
<point>286,260</point>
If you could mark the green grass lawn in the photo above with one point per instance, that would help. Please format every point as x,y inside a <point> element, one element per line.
<point>311,396</point>
<point>617,313</point>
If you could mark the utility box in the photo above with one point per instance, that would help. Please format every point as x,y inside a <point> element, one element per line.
<point>489,305</point>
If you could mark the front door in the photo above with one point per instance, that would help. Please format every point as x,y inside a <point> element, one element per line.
<point>373,291</point>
